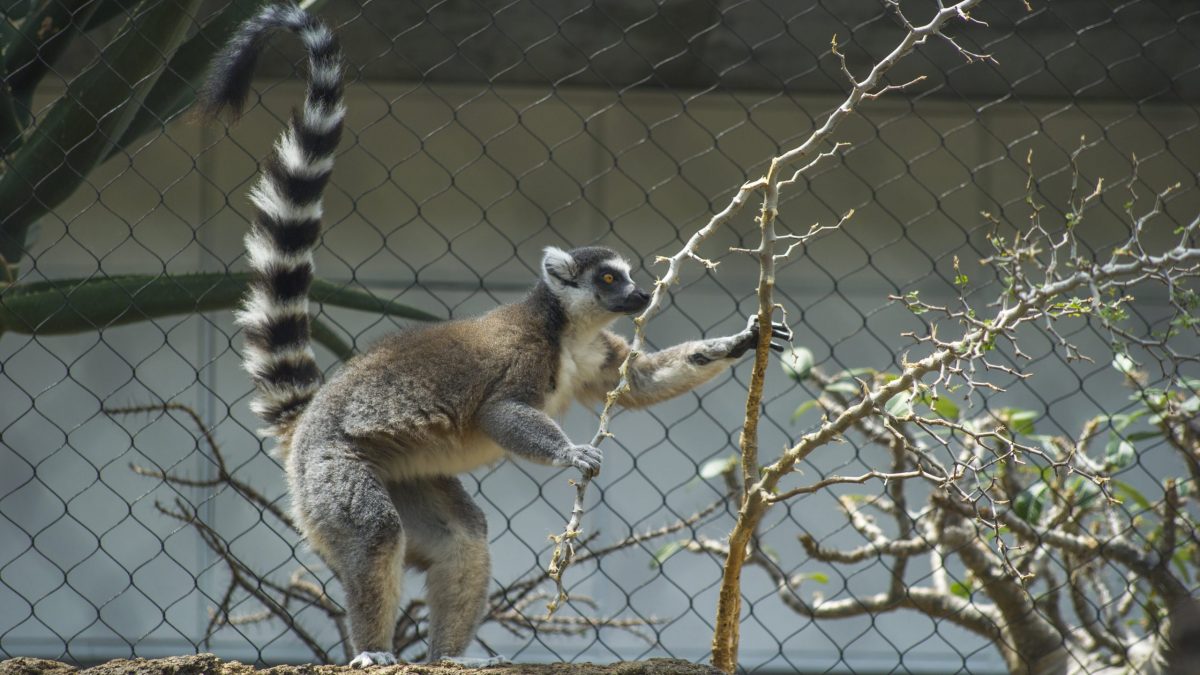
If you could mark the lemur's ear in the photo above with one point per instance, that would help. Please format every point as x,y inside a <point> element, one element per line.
<point>558,267</point>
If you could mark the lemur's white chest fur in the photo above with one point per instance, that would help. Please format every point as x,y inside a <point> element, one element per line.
<point>582,354</point>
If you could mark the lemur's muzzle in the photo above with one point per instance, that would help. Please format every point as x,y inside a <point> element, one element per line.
<point>635,302</point>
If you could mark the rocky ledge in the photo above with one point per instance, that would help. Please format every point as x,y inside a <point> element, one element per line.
<point>209,664</point>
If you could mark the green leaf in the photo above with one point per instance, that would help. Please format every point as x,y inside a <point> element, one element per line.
<point>1122,420</point>
<point>1127,491</point>
<point>1124,364</point>
<point>84,123</point>
<point>961,590</point>
<point>1118,452</point>
<point>899,405</point>
<point>852,373</point>
<point>717,466</point>
<point>666,551</point>
<point>1182,559</point>
<point>1143,435</point>
<point>14,9</point>
<point>797,363</point>
<point>324,335</point>
<point>1186,487</point>
<point>770,551</point>
<point>11,125</point>
<point>344,296</point>
<point>1031,502</point>
<point>1191,405</point>
<point>1085,491</point>
<point>803,408</point>
<point>819,577</point>
<point>109,10</point>
<point>76,305</point>
<point>844,387</point>
<point>1019,421</point>
<point>41,39</point>
<point>1047,443</point>
<point>945,408</point>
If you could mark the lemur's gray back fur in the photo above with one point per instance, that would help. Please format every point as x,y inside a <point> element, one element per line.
<point>287,212</point>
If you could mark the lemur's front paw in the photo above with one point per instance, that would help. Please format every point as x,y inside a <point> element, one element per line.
<point>366,659</point>
<point>586,458</point>
<point>747,339</point>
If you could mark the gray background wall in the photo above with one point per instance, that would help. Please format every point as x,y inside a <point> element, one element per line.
<point>443,196</point>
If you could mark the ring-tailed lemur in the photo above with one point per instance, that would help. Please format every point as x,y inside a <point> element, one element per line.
<point>372,455</point>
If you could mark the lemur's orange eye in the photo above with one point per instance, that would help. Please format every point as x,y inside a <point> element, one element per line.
<point>608,278</point>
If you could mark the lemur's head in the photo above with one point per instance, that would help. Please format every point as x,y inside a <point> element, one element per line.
<point>592,280</point>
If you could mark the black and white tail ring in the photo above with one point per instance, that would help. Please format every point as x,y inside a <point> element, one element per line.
<point>287,219</point>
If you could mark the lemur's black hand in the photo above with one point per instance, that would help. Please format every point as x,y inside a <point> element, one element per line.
<point>747,339</point>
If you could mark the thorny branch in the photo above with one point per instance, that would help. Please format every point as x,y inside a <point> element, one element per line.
<point>984,449</point>
<point>726,634</point>
<point>987,490</point>
<point>869,87</point>
<point>563,554</point>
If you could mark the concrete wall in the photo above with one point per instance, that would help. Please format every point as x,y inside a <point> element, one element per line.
<point>443,199</point>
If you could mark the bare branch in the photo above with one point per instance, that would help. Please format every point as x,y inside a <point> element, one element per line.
<point>243,577</point>
<point>842,480</point>
<point>759,483</point>
<point>899,548</point>
<point>1084,546</point>
<point>223,476</point>
<point>564,544</point>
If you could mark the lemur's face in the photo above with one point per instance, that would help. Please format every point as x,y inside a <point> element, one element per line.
<point>593,279</point>
<point>615,291</point>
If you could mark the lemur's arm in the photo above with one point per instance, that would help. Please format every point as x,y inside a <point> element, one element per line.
<point>527,432</point>
<point>657,376</point>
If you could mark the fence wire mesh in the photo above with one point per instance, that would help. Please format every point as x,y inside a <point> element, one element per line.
<point>479,133</point>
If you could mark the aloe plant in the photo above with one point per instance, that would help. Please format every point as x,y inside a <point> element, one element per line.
<point>145,75</point>
<point>64,306</point>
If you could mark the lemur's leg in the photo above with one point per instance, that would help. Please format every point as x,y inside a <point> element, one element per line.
<point>669,372</point>
<point>346,512</point>
<point>447,536</point>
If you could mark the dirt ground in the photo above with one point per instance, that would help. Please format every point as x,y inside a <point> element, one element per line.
<point>209,664</point>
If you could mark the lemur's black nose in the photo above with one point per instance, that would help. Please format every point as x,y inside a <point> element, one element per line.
<point>636,301</point>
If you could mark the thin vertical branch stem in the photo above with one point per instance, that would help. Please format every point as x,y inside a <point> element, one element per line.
<point>754,503</point>
<point>564,544</point>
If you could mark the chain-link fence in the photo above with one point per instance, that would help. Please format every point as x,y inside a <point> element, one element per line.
<point>477,134</point>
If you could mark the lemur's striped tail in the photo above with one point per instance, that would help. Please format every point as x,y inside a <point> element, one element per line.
<point>287,220</point>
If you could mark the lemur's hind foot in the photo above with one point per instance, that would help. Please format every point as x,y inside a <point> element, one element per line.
<point>367,659</point>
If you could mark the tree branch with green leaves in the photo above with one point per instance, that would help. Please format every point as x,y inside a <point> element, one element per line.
<point>1005,511</point>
